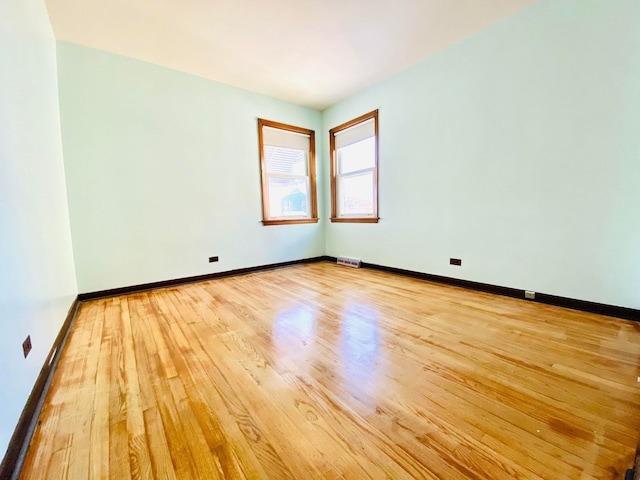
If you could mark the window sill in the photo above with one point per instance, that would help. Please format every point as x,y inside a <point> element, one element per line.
<point>355,219</point>
<point>293,221</point>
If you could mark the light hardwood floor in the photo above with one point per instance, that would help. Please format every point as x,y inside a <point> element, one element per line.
<point>324,372</point>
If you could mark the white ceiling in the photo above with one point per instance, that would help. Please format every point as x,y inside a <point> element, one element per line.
<point>309,52</point>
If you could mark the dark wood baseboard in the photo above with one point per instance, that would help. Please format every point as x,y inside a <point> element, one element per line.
<point>582,305</point>
<point>114,292</point>
<point>12,461</point>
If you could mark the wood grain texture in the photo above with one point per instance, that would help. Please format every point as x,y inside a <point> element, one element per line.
<point>327,372</point>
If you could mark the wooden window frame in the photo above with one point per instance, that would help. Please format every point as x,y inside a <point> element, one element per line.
<point>266,219</point>
<point>334,171</point>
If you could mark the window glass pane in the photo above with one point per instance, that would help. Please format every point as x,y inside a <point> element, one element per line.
<point>357,156</point>
<point>286,161</point>
<point>355,194</point>
<point>288,197</point>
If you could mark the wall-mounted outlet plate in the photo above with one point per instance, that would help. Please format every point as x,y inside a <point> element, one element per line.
<point>455,261</point>
<point>213,259</point>
<point>26,346</point>
<point>530,295</point>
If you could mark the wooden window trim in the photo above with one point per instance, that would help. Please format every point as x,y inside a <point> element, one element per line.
<point>334,169</point>
<point>355,219</point>
<point>313,218</point>
<point>292,221</point>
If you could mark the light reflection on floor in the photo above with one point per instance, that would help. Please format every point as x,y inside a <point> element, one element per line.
<point>360,347</point>
<point>360,338</point>
<point>356,332</point>
<point>294,328</point>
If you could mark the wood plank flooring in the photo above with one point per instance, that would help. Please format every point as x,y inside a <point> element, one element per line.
<point>326,372</point>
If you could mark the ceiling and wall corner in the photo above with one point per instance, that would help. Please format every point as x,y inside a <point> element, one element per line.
<point>311,53</point>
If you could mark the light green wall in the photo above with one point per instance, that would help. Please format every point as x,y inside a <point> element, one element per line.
<point>163,171</point>
<point>517,150</point>
<point>37,281</point>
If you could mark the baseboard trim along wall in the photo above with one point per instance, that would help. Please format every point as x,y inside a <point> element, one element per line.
<point>198,278</point>
<point>19,443</point>
<point>582,305</point>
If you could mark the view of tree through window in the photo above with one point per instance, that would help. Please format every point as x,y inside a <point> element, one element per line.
<point>287,159</point>
<point>288,181</point>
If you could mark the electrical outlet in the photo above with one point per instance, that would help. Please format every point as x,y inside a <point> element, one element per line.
<point>213,259</point>
<point>528,294</point>
<point>455,261</point>
<point>26,346</point>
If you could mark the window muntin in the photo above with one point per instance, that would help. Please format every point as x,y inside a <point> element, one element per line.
<point>354,170</point>
<point>287,160</point>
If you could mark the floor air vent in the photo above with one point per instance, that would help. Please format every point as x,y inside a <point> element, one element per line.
<point>349,262</point>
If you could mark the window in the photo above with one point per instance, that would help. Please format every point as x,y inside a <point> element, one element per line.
<point>288,165</point>
<point>354,170</point>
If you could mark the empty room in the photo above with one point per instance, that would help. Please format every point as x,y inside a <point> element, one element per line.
<point>320,240</point>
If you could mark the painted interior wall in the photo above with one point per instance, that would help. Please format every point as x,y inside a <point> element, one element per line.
<point>163,171</point>
<point>516,150</point>
<point>37,280</point>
